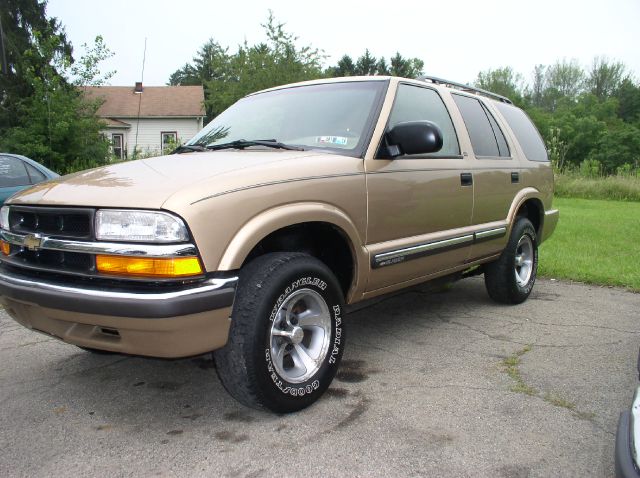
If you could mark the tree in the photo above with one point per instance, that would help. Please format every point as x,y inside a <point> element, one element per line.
<point>382,68</point>
<point>564,80</point>
<point>20,18</point>
<point>366,64</point>
<point>628,96</point>
<point>86,70</point>
<point>406,67</point>
<point>345,67</point>
<point>539,85</point>
<point>229,77</point>
<point>53,124</point>
<point>502,81</point>
<point>605,77</point>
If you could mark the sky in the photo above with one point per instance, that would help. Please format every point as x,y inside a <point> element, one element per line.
<point>455,39</point>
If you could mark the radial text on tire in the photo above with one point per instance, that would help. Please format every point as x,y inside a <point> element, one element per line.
<point>287,333</point>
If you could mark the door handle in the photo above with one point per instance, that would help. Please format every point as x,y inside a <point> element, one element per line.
<point>515,177</point>
<point>466,179</point>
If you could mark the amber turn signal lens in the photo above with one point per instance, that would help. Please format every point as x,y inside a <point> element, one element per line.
<point>6,247</point>
<point>149,267</point>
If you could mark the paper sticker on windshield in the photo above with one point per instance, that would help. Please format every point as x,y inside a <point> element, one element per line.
<point>339,140</point>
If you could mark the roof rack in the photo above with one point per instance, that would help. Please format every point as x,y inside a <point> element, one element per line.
<point>467,88</point>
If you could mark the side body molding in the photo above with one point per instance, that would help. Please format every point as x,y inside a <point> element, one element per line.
<point>279,217</point>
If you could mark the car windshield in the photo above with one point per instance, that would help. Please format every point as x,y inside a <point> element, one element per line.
<point>331,116</point>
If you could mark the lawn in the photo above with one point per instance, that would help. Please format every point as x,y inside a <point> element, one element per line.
<point>596,241</point>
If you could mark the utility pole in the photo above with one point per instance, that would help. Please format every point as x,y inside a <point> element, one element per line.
<point>3,56</point>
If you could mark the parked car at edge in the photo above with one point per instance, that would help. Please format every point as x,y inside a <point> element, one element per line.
<point>290,204</point>
<point>19,172</point>
<point>628,438</point>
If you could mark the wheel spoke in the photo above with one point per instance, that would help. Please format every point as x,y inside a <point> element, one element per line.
<point>302,359</point>
<point>310,318</point>
<point>281,333</point>
<point>299,335</point>
<point>279,358</point>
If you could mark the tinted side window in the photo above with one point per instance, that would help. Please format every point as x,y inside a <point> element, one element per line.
<point>36,176</point>
<point>503,148</point>
<point>12,172</point>
<point>526,133</point>
<point>414,103</point>
<point>483,138</point>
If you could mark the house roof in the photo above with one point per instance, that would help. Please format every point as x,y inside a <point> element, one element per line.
<point>114,123</point>
<point>122,102</point>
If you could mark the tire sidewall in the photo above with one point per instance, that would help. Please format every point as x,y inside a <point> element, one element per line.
<point>279,394</point>
<point>524,228</point>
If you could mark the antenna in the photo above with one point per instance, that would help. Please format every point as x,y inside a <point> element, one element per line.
<point>144,57</point>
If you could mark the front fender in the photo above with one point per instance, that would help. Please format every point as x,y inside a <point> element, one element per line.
<point>271,220</point>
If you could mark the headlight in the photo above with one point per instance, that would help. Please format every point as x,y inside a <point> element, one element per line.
<point>139,226</point>
<point>4,218</point>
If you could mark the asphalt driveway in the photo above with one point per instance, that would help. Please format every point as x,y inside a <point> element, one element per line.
<point>432,384</point>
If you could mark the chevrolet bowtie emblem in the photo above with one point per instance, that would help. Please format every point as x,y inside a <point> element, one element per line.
<point>32,242</point>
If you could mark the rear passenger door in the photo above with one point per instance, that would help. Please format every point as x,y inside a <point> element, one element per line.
<point>418,205</point>
<point>496,174</point>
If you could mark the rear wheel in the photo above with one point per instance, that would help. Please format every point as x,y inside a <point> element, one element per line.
<point>287,334</point>
<point>510,279</point>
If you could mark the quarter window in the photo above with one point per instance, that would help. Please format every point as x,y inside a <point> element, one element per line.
<point>12,172</point>
<point>414,103</point>
<point>525,132</point>
<point>35,175</point>
<point>485,134</point>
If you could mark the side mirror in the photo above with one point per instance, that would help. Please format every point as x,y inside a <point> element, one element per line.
<point>413,137</point>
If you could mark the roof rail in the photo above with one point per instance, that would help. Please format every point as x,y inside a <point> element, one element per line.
<point>467,88</point>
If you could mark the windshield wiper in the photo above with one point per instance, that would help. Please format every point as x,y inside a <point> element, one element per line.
<point>187,148</point>
<point>243,143</point>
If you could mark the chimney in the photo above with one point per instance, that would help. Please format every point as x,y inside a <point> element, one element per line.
<point>138,88</point>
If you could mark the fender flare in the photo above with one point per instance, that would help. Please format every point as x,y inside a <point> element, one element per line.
<point>271,220</point>
<point>520,198</point>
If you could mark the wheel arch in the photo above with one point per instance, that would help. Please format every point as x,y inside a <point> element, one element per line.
<point>528,203</point>
<point>272,230</point>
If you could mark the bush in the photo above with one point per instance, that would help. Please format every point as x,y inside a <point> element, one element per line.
<point>620,188</point>
<point>590,168</point>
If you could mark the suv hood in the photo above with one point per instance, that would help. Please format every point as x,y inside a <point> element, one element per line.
<point>148,183</point>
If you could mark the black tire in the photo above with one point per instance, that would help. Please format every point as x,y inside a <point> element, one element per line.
<point>501,276</point>
<point>245,364</point>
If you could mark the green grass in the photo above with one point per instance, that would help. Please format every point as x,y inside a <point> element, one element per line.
<point>596,242</point>
<point>619,188</point>
<point>510,365</point>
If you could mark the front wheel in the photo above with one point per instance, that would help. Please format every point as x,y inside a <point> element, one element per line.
<point>287,334</point>
<point>510,279</point>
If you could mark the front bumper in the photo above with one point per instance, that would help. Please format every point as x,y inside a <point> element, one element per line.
<point>627,453</point>
<point>184,321</point>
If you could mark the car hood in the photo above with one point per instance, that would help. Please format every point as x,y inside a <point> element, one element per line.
<point>149,183</point>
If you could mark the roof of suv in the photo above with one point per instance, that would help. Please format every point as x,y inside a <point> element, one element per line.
<point>446,84</point>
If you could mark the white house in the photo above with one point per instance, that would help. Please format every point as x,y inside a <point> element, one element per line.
<point>148,119</point>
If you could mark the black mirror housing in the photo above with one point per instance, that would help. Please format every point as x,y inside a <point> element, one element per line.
<point>414,137</point>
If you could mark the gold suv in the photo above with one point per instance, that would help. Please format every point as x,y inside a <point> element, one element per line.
<point>251,238</point>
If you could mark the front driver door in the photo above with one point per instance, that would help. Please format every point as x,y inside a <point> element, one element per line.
<point>419,205</point>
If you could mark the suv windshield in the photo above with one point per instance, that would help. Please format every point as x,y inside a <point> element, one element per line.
<point>332,116</point>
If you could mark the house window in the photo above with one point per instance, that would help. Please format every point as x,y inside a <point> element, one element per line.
<point>117,140</point>
<point>169,139</point>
